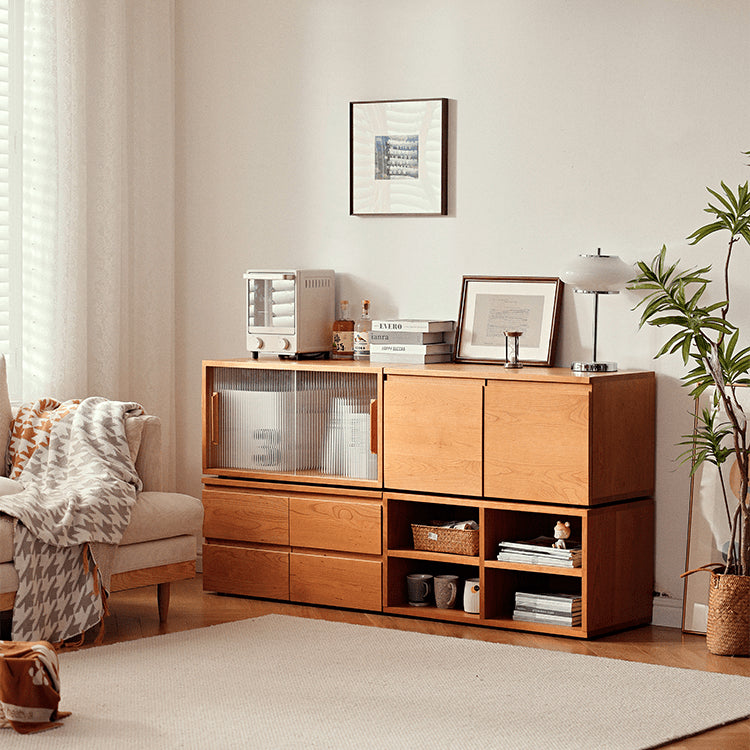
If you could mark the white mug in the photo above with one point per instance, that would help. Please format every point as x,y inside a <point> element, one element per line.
<point>471,596</point>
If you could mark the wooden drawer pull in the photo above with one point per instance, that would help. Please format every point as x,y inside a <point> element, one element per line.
<point>374,426</point>
<point>214,418</point>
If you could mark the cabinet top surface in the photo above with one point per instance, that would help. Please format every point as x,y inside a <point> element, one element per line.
<point>444,370</point>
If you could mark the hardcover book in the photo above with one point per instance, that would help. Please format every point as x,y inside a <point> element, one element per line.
<point>409,337</point>
<point>411,348</point>
<point>419,326</point>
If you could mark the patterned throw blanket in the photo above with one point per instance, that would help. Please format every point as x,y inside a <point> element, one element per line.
<point>79,486</point>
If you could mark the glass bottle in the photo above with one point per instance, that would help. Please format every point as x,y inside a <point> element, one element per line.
<point>362,332</point>
<point>343,334</point>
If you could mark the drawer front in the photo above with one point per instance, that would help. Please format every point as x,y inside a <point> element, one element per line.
<point>336,581</point>
<point>246,570</point>
<point>342,524</point>
<point>245,516</point>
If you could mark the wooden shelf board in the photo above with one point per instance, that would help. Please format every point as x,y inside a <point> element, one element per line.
<point>433,613</point>
<point>549,569</point>
<point>536,627</point>
<point>417,554</point>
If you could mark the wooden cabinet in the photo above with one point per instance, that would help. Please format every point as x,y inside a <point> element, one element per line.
<point>578,443</point>
<point>314,473</point>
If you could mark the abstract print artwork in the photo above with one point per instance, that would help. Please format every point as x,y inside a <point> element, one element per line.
<point>398,153</point>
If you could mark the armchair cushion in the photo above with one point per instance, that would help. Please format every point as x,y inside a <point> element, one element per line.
<point>158,515</point>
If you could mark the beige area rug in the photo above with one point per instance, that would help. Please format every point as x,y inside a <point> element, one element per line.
<point>287,682</point>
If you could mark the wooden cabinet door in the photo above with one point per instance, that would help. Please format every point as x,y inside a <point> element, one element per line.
<point>246,570</point>
<point>537,442</point>
<point>432,434</point>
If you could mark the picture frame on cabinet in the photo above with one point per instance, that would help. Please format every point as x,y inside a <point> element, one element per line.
<point>492,305</point>
<point>398,157</point>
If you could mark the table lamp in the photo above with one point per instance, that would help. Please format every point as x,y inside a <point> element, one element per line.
<point>596,274</point>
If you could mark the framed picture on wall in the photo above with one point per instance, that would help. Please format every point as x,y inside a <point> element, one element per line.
<point>398,157</point>
<point>492,305</point>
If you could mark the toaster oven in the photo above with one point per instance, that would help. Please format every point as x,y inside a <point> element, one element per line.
<point>290,312</point>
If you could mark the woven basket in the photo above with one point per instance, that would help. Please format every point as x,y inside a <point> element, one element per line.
<point>728,630</point>
<point>453,541</point>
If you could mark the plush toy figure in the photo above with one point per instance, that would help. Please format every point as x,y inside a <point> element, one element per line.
<point>562,532</point>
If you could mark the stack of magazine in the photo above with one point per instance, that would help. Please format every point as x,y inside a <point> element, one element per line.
<point>541,551</point>
<point>551,609</point>
<point>411,341</point>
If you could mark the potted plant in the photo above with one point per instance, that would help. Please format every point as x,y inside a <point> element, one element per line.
<point>717,368</point>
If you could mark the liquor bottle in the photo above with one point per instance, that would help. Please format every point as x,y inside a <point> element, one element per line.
<point>362,332</point>
<point>343,334</point>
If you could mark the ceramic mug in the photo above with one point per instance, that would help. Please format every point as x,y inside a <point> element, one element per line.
<point>471,596</point>
<point>446,591</point>
<point>419,589</point>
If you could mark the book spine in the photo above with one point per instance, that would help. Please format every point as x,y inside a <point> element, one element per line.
<point>412,326</point>
<point>409,337</point>
<point>411,348</point>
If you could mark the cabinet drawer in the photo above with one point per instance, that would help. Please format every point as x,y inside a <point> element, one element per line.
<point>432,434</point>
<point>246,570</point>
<point>342,524</point>
<point>246,517</point>
<point>335,581</point>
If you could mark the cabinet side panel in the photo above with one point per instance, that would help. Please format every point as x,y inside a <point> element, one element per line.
<point>336,581</point>
<point>623,437</point>
<point>537,442</point>
<point>619,566</point>
<point>433,434</point>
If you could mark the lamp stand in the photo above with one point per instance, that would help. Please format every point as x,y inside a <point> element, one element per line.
<point>594,365</point>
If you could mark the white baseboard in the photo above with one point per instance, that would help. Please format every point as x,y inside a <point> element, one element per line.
<point>667,612</point>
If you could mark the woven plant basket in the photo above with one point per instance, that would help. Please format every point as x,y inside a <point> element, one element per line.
<point>728,630</point>
<point>452,541</point>
<point>728,627</point>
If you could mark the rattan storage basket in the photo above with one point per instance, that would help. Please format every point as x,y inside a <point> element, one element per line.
<point>439,539</point>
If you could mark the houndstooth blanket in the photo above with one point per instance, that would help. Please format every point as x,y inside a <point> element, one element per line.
<point>79,486</point>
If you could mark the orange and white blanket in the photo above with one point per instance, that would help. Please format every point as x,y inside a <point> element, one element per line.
<point>79,486</point>
<point>29,687</point>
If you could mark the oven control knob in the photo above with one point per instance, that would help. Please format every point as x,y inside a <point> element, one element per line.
<point>257,344</point>
<point>285,344</point>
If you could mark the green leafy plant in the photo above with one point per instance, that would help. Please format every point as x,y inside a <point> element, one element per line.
<point>709,345</point>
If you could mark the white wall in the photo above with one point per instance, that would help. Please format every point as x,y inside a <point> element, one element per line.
<point>578,124</point>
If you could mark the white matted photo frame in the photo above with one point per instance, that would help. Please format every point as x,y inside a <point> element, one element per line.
<point>398,157</point>
<point>491,305</point>
<point>708,525</point>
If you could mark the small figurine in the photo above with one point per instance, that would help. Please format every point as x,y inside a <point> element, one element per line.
<point>562,532</point>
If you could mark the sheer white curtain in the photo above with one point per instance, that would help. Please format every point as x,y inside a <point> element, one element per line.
<point>98,144</point>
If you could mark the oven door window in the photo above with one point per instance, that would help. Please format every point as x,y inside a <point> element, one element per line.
<point>270,305</point>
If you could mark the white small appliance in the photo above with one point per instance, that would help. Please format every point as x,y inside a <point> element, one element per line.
<point>290,312</point>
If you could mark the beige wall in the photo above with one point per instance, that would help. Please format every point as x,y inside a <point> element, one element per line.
<point>578,124</point>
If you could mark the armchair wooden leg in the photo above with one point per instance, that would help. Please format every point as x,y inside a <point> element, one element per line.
<point>162,597</point>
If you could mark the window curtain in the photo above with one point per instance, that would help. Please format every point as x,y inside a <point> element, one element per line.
<point>98,233</point>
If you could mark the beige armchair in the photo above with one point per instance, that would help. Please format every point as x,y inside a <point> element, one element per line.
<point>160,543</point>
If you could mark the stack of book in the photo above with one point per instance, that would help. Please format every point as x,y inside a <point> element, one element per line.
<point>412,341</point>
<point>551,609</point>
<point>540,551</point>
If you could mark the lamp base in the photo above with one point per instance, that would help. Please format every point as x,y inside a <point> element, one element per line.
<point>594,367</point>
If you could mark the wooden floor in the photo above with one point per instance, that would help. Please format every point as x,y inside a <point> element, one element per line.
<point>133,614</point>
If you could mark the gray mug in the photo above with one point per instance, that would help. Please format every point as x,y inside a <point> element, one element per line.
<point>446,591</point>
<point>419,589</point>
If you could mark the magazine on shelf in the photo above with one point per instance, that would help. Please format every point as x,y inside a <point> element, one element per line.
<point>547,619</point>
<point>533,558</point>
<point>564,603</point>
<point>543,544</point>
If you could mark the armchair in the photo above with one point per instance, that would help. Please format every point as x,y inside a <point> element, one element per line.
<point>160,543</point>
